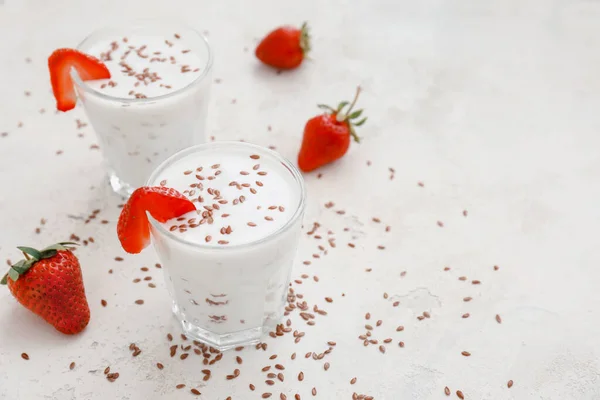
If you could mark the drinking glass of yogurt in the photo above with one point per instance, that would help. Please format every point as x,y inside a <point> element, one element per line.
<point>227,264</point>
<point>156,101</point>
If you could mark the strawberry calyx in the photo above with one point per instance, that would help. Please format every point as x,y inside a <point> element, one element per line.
<point>349,117</point>
<point>31,257</point>
<point>304,38</point>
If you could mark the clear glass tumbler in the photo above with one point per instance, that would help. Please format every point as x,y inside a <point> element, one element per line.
<point>137,134</point>
<point>229,296</point>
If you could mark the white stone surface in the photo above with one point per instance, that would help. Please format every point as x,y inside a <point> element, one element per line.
<point>493,105</point>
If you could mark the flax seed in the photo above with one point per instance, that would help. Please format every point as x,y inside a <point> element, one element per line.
<point>266,395</point>
<point>460,395</point>
<point>498,319</point>
<point>399,328</point>
<point>401,344</point>
<point>353,381</point>
<point>159,366</point>
<point>466,315</point>
<point>139,302</point>
<point>465,353</point>
<point>106,370</point>
<point>447,391</point>
<point>509,384</point>
<point>467,299</point>
<point>196,392</point>
<point>314,391</point>
<point>301,376</point>
<point>255,156</point>
<point>103,302</point>
<point>252,387</point>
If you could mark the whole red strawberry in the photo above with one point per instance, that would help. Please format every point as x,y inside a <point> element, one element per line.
<point>285,47</point>
<point>327,136</point>
<point>49,283</point>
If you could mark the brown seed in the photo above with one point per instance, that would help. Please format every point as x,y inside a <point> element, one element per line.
<point>255,156</point>
<point>466,315</point>
<point>282,396</point>
<point>447,391</point>
<point>180,386</point>
<point>353,381</point>
<point>498,319</point>
<point>382,349</point>
<point>301,376</point>
<point>297,396</point>
<point>270,382</point>
<point>460,395</point>
<point>266,395</point>
<point>466,299</point>
<point>184,356</point>
<point>496,268</point>
<point>72,365</point>
<point>251,224</point>
<point>368,316</point>
<point>170,337</point>
<point>400,328</point>
<point>106,370</point>
<point>426,314</point>
<point>139,302</point>
<point>159,366</point>
<point>279,367</point>
<point>401,344</point>
<point>475,282</point>
<point>252,387</point>
<point>379,322</point>
<point>103,302</point>
<point>314,391</point>
<point>326,366</point>
<point>195,391</point>
<point>465,353</point>
<point>509,384</point>
<point>462,278</point>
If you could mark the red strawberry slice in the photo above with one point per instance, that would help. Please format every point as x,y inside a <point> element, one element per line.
<point>161,202</point>
<point>60,63</point>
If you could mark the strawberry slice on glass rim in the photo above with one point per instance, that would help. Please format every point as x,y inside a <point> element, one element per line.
<point>163,204</point>
<point>60,63</point>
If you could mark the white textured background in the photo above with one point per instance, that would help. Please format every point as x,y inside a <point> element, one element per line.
<point>493,105</point>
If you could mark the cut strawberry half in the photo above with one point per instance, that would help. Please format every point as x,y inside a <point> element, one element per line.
<point>60,63</point>
<point>161,202</point>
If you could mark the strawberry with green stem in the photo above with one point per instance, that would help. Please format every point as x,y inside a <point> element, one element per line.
<point>327,136</point>
<point>285,47</point>
<point>49,283</point>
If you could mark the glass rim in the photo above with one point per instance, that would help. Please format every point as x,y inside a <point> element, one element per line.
<point>135,23</point>
<point>202,246</point>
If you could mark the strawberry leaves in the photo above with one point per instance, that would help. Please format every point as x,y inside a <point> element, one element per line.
<point>349,116</point>
<point>31,257</point>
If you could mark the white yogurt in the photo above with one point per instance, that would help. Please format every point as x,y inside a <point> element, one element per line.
<point>155,103</point>
<point>228,264</point>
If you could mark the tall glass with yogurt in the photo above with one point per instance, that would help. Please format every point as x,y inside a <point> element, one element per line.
<point>228,264</point>
<point>156,101</point>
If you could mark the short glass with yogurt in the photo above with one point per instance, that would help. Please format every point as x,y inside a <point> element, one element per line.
<point>228,264</point>
<point>156,101</point>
